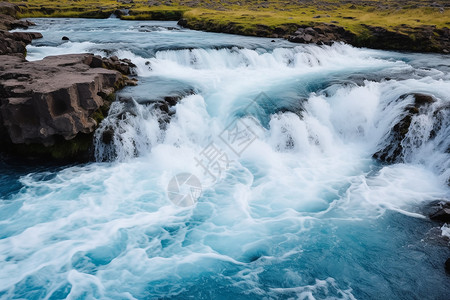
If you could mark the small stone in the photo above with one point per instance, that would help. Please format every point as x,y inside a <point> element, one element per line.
<point>65,38</point>
<point>107,136</point>
<point>447,265</point>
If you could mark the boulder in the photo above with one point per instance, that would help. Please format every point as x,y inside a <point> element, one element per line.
<point>447,265</point>
<point>438,211</point>
<point>51,100</point>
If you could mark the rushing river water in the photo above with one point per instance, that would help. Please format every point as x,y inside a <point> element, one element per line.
<point>294,206</point>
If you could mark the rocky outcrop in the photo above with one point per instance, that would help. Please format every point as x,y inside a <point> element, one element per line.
<point>438,211</point>
<point>420,39</point>
<point>55,99</point>
<point>14,43</point>
<point>322,34</point>
<point>8,17</point>
<point>51,107</point>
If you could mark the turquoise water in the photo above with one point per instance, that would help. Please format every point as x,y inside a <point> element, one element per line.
<point>302,212</point>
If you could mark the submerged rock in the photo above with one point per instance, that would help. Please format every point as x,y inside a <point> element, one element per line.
<point>447,265</point>
<point>52,100</point>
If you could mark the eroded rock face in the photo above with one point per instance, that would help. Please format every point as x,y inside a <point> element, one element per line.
<point>42,101</point>
<point>14,43</point>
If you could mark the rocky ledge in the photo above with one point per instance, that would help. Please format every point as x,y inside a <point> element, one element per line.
<point>14,43</point>
<point>51,107</point>
<point>420,39</point>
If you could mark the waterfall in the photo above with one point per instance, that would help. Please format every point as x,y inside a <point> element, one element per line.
<point>238,168</point>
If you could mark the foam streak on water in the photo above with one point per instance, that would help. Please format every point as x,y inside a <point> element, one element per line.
<point>304,212</point>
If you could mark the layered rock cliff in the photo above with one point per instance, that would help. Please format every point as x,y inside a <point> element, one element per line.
<point>46,102</point>
<point>51,107</point>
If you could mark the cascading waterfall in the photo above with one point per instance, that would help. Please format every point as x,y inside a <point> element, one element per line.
<point>301,210</point>
<point>363,114</point>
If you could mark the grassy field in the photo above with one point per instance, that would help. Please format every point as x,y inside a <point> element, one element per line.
<point>248,16</point>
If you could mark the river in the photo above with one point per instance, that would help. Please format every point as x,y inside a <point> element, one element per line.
<point>259,183</point>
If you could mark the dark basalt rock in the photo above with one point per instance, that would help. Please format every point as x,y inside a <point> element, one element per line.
<point>447,265</point>
<point>65,38</point>
<point>439,211</point>
<point>442,215</point>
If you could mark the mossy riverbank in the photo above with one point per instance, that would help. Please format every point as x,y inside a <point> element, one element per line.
<point>416,25</point>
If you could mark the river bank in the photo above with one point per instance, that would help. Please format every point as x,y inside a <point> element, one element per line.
<point>411,25</point>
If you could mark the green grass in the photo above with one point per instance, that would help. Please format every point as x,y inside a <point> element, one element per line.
<point>350,19</point>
